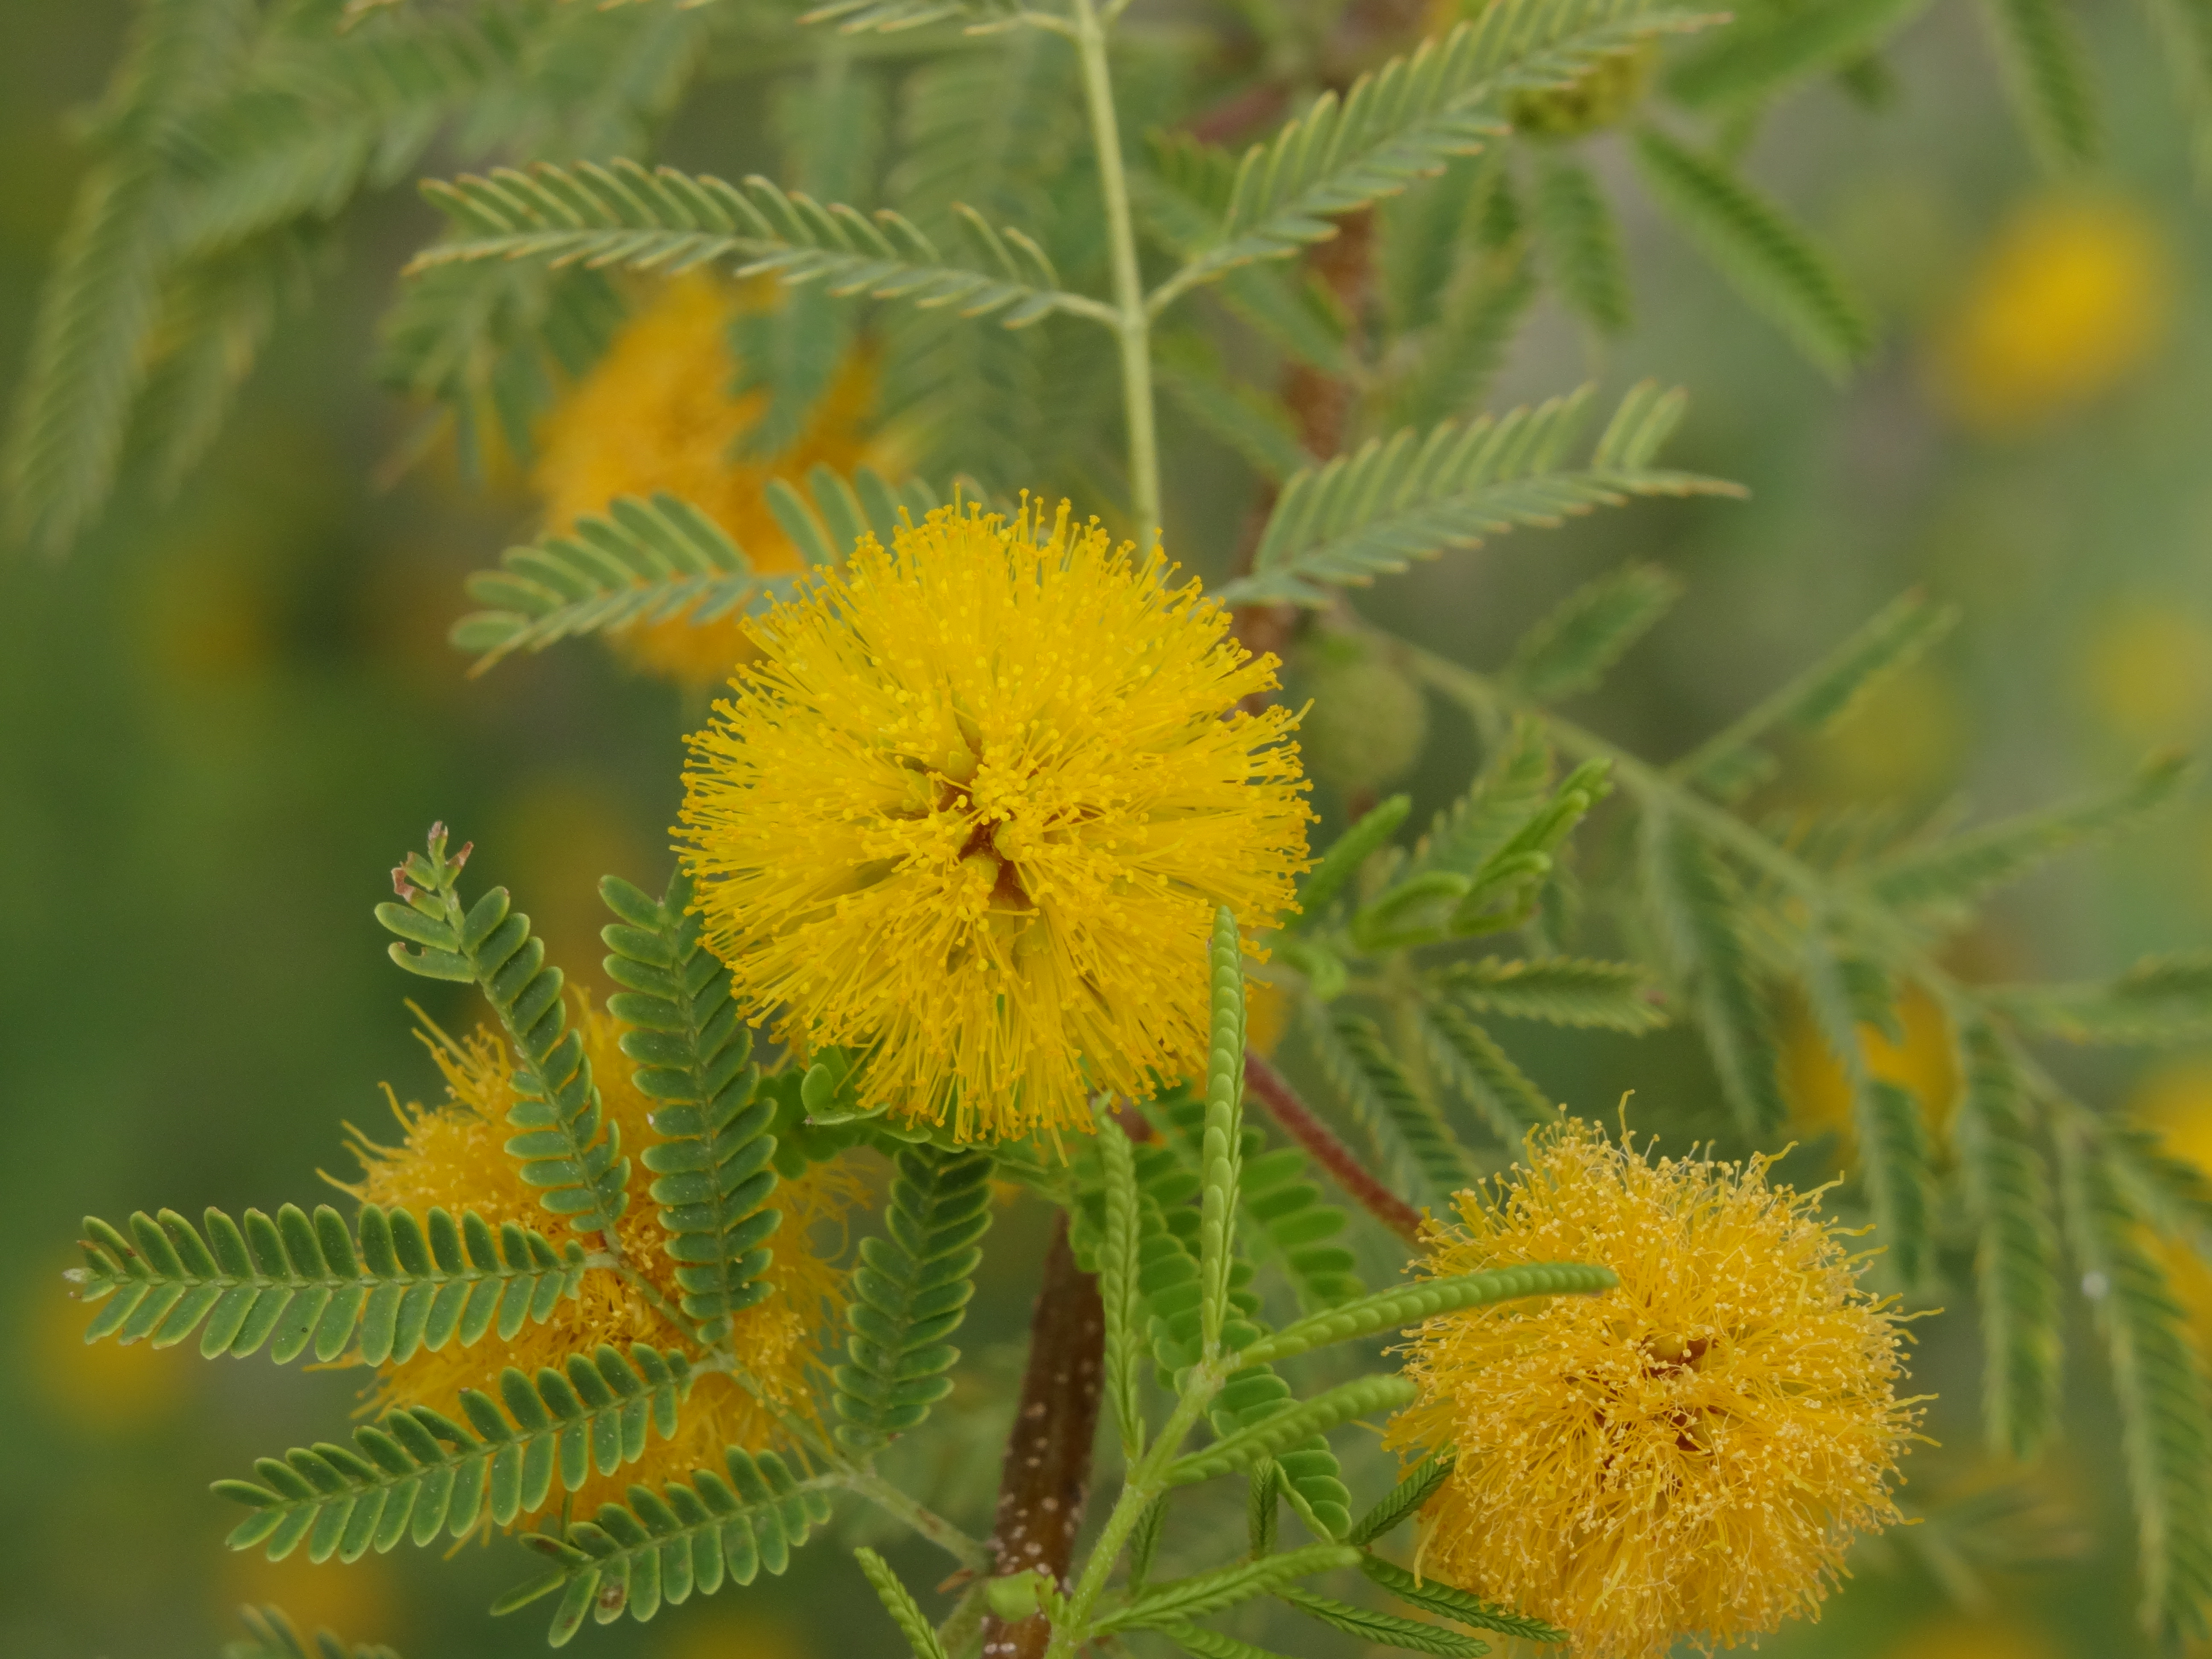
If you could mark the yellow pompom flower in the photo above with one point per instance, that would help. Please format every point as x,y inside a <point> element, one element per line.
<point>2072,295</point>
<point>973,808</point>
<point>453,1155</point>
<point>655,413</point>
<point>1684,1456</point>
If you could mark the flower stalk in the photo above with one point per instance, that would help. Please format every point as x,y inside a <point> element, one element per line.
<point>1133,331</point>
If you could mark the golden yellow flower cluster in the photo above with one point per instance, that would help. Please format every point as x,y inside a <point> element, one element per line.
<point>454,1155</point>
<point>1685,1455</point>
<point>972,811</point>
<point>657,413</point>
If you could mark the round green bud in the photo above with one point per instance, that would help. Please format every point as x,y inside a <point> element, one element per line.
<point>1367,722</point>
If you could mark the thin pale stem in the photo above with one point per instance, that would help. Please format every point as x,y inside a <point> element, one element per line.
<point>970,1553</point>
<point>1133,327</point>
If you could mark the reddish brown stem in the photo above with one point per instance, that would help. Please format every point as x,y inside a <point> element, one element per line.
<point>1047,1470</point>
<point>1320,1142</point>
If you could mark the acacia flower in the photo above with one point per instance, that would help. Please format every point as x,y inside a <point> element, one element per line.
<point>973,808</point>
<point>656,412</point>
<point>1685,1455</point>
<point>454,1155</point>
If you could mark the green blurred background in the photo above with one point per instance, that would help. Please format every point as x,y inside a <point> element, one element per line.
<point>223,718</point>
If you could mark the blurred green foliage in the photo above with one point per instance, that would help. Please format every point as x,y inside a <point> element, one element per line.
<point>221,719</point>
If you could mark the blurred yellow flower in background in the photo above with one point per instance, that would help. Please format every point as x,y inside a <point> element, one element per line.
<point>1957,1637</point>
<point>657,413</point>
<point>2175,1100</point>
<point>1687,1455</point>
<point>101,1388</point>
<point>2071,295</point>
<point>2147,670</point>
<point>454,1155</point>
<point>357,1600</point>
<point>972,809</point>
<point>1903,741</point>
<point>1925,1063</point>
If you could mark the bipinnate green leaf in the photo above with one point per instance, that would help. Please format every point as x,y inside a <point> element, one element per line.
<point>1728,764</point>
<point>1408,119</point>
<point>1118,1293</point>
<point>1558,990</point>
<point>1383,1629</point>
<point>1433,1595</point>
<point>1183,1599</point>
<point>416,1474</point>
<point>661,1546</point>
<point>276,1637</point>
<point>1393,1310</point>
<point>1698,910</point>
<point>909,1291</point>
<point>2009,1196</point>
<point>712,1169</point>
<point>1773,50</point>
<point>1414,1488</point>
<point>1570,651</point>
<point>1396,1113</point>
<point>898,1601</point>
<point>2161,1000</point>
<point>1467,1059</point>
<point>1579,243</point>
<point>1943,880</point>
<point>2166,1427</point>
<point>296,1283</point>
<point>1772,262</point>
<point>1211,1643</point>
<point>623,214</point>
<point>1282,1206</point>
<point>565,1146</point>
<point>1347,853</point>
<point>1413,495</point>
<point>1899,1169</point>
<point>2047,70</point>
<point>1362,1397</point>
<point>1222,1150</point>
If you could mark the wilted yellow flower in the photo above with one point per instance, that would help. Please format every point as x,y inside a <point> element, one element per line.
<point>1925,1063</point>
<point>453,1155</point>
<point>656,412</point>
<point>973,809</point>
<point>1684,1456</point>
<point>2072,293</point>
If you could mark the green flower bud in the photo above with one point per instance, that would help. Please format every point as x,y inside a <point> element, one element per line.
<point>1367,722</point>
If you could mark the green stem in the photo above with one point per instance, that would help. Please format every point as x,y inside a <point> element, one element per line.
<point>969,1552</point>
<point>1143,1484</point>
<point>964,1625</point>
<point>1133,325</point>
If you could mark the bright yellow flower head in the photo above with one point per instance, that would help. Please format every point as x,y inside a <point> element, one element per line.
<point>453,1155</point>
<point>1685,1455</point>
<point>656,413</point>
<point>2072,295</point>
<point>972,811</point>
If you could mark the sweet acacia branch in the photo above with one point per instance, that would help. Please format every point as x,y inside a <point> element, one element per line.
<point>1047,1470</point>
<point>1273,1091</point>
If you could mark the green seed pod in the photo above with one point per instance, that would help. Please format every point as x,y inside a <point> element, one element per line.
<point>1367,722</point>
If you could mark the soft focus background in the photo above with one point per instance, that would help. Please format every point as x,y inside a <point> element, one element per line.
<point>222,720</point>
